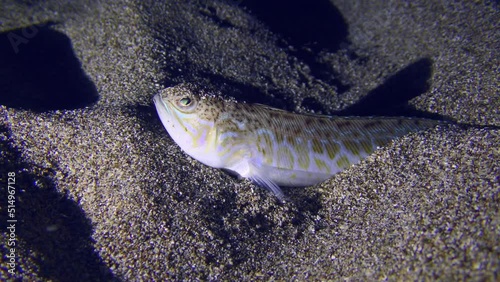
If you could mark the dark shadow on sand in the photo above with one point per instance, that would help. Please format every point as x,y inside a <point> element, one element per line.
<point>49,224</point>
<point>314,24</point>
<point>39,71</point>
<point>391,97</point>
<point>307,28</point>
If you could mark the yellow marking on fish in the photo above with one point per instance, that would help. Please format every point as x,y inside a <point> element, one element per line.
<point>352,146</point>
<point>279,138</point>
<point>303,161</point>
<point>321,165</point>
<point>265,144</point>
<point>332,149</point>
<point>343,162</point>
<point>317,147</point>
<point>367,146</point>
<point>272,147</point>
<point>285,157</point>
<point>290,140</point>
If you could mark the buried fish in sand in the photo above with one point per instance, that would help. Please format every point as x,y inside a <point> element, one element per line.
<point>269,146</point>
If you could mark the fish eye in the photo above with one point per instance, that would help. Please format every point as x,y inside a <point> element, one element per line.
<point>186,101</point>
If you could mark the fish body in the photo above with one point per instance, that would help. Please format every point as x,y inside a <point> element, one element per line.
<point>273,147</point>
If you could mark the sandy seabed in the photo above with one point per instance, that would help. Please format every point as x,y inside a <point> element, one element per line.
<point>103,193</point>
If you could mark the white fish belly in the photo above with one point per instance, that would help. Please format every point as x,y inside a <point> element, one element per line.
<point>293,178</point>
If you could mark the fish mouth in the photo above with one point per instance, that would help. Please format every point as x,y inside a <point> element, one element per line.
<point>161,107</point>
<point>163,110</point>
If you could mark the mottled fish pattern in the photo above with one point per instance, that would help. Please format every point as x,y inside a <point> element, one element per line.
<point>273,147</point>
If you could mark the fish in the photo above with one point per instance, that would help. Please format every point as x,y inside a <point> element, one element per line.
<point>272,147</point>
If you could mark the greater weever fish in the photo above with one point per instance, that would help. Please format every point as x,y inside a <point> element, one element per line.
<point>269,146</point>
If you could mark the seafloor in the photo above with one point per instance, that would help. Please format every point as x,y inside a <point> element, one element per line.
<point>103,193</point>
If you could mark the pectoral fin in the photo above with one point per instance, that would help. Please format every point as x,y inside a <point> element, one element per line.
<point>268,184</point>
<point>253,171</point>
<point>258,178</point>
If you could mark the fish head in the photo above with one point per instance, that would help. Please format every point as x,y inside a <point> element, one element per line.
<point>189,114</point>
